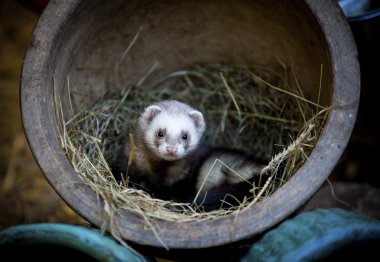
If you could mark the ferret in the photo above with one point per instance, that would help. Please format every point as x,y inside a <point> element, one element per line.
<point>171,163</point>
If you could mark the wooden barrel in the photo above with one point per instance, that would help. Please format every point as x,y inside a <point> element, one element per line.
<point>82,39</point>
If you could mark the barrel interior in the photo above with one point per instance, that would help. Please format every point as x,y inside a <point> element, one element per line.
<point>178,35</point>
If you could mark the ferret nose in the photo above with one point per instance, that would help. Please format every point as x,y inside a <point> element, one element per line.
<point>172,150</point>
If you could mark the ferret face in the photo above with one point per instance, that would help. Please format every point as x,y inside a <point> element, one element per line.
<point>171,138</point>
<point>171,135</point>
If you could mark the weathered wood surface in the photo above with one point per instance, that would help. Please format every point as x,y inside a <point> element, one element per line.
<point>83,33</point>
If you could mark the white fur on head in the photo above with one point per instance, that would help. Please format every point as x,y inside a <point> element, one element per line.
<point>149,114</point>
<point>199,121</point>
<point>174,122</point>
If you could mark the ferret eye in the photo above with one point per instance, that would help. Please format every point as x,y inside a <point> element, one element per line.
<point>160,134</point>
<point>185,137</point>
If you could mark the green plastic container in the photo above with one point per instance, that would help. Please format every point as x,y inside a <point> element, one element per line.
<point>52,242</point>
<point>320,235</point>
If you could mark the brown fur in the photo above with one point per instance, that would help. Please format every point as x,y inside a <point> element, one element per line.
<point>179,179</point>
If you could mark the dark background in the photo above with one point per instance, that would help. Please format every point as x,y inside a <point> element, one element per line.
<point>25,195</point>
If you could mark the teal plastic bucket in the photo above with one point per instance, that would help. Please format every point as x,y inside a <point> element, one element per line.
<point>320,235</point>
<point>50,242</point>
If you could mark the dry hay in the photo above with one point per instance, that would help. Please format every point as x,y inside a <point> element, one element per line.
<point>257,111</point>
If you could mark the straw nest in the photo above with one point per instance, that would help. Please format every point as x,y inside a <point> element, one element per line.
<point>260,112</point>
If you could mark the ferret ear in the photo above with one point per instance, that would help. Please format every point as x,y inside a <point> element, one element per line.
<point>150,113</point>
<point>198,120</point>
